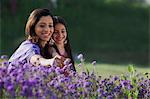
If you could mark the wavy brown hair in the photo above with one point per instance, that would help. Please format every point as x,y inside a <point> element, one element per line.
<point>30,29</point>
<point>32,21</point>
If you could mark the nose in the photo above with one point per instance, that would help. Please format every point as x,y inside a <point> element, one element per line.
<point>60,34</point>
<point>46,28</point>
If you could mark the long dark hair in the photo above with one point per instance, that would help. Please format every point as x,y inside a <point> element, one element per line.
<point>58,19</point>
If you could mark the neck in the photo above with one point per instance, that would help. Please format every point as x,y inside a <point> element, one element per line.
<point>61,49</point>
<point>42,43</point>
<point>60,46</point>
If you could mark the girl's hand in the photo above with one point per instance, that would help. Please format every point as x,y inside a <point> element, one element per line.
<point>59,61</point>
<point>57,57</point>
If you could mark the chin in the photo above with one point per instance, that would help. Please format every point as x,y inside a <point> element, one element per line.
<point>58,42</point>
<point>46,40</point>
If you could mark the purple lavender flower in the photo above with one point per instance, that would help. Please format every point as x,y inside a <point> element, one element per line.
<point>67,61</point>
<point>58,70</point>
<point>116,78</point>
<point>130,87</point>
<point>4,57</point>
<point>71,86</point>
<point>25,80</point>
<point>87,84</point>
<point>11,90</point>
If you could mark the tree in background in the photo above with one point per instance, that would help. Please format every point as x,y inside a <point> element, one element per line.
<point>13,6</point>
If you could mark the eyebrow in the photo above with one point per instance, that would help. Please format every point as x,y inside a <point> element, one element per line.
<point>44,23</point>
<point>61,29</point>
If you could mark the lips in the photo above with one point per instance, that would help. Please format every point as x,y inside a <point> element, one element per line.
<point>45,34</point>
<point>60,39</point>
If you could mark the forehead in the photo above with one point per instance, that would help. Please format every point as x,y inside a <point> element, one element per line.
<point>46,19</point>
<point>59,26</point>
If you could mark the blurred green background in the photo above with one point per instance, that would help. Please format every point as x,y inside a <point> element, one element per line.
<point>109,31</point>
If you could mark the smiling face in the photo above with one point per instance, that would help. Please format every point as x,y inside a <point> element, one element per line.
<point>44,28</point>
<point>60,33</point>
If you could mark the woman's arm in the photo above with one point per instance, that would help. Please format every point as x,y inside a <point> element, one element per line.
<point>37,60</point>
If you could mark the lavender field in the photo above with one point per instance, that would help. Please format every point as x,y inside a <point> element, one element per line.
<point>20,80</point>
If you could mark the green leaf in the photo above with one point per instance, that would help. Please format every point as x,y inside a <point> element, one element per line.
<point>87,71</point>
<point>129,95</point>
<point>135,94</point>
<point>123,77</point>
<point>131,68</point>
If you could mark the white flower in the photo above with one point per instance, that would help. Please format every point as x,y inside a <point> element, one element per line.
<point>94,63</point>
<point>80,56</point>
<point>4,57</point>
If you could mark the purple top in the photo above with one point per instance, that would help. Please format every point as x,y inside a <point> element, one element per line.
<point>25,51</point>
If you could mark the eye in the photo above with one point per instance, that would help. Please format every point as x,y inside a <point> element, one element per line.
<point>63,31</point>
<point>50,26</point>
<point>42,25</point>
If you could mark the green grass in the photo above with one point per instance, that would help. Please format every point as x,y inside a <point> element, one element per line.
<point>105,70</point>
